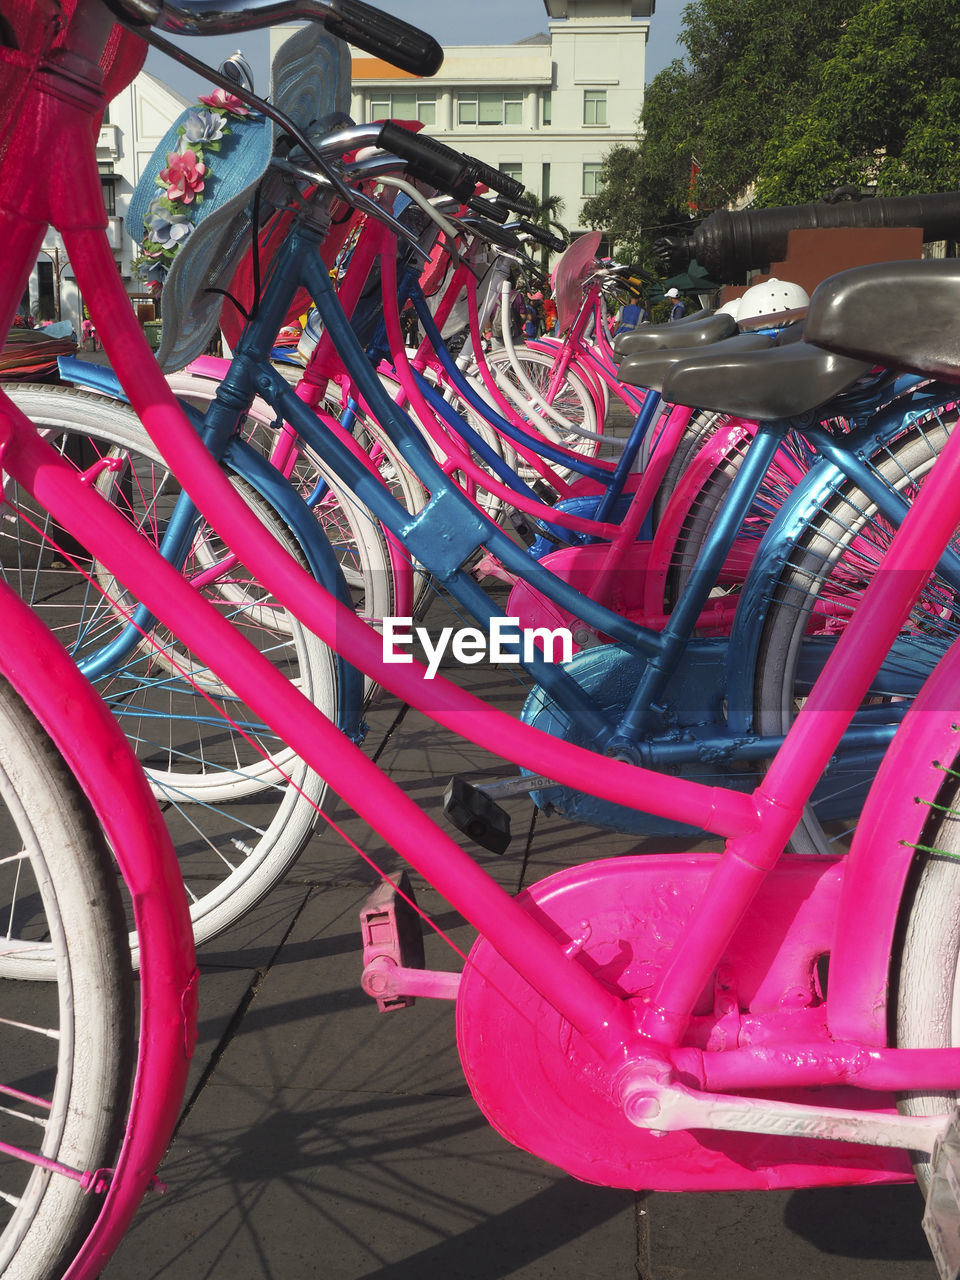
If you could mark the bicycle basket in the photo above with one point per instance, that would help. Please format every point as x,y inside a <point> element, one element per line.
<point>311,84</point>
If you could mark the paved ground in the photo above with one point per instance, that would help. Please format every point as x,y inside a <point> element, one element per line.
<point>324,1139</point>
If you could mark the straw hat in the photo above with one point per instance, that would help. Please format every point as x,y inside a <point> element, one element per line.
<point>208,218</point>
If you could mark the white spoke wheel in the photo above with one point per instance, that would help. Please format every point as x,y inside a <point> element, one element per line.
<point>239,804</point>
<point>67,1047</point>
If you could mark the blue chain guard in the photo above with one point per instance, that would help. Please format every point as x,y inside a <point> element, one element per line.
<point>692,710</point>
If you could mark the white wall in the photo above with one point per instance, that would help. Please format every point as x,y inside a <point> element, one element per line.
<point>137,120</point>
<point>597,46</point>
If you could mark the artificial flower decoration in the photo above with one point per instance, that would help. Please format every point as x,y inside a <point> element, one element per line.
<point>221,100</point>
<point>183,176</point>
<point>203,127</point>
<point>169,230</point>
<point>185,180</point>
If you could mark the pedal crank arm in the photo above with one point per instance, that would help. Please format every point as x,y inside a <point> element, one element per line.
<point>666,1108</point>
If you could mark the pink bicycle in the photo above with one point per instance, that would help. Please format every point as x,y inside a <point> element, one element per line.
<point>670,1012</point>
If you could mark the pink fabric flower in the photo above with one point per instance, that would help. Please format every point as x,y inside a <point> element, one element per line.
<point>221,100</point>
<point>183,175</point>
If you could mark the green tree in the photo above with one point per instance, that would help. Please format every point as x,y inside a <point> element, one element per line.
<point>751,66</point>
<point>545,212</point>
<point>882,109</point>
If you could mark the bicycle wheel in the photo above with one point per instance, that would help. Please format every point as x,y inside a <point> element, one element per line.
<point>701,428</point>
<point>707,496</point>
<point>68,1049</point>
<point>395,472</point>
<point>573,400</point>
<point>351,529</point>
<point>818,590</point>
<point>927,973</point>
<point>238,803</point>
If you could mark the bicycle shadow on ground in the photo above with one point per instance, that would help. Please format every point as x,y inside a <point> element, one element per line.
<point>882,1223</point>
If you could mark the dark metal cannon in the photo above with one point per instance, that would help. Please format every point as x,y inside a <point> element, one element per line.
<point>730,242</point>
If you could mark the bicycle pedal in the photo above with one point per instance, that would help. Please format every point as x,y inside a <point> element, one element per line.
<point>391,930</point>
<point>477,816</point>
<point>941,1218</point>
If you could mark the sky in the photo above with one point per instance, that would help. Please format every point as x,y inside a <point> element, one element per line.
<point>456,22</point>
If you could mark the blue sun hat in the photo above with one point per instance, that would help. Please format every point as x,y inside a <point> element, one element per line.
<point>192,208</point>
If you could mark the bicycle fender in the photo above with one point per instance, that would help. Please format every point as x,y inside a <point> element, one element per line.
<point>92,377</point>
<point>98,753</point>
<point>784,533</point>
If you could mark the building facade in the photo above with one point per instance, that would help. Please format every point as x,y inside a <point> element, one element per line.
<point>545,110</point>
<point>135,122</point>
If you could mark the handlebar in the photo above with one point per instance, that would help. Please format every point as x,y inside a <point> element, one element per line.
<point>397,42</point>
<point>443,167</point>
<point>496,235</point>
<point>541,235</point>
<point>515,206</point>
<point>492,209</point>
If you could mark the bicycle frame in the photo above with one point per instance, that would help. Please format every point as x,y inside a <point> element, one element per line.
<point>628,1043</point>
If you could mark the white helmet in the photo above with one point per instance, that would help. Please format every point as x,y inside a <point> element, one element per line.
<point>771,296</point>
<point>731,308</point>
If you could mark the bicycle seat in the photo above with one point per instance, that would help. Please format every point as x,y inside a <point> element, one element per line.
<point>781,382</point>
<point>901,314</point>
<point>708,326</point>
<point>649,369</point>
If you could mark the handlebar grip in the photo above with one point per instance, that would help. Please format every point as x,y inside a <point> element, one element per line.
<point>386,37</point>
<point>515,206</point>
<point>491,209</point>
<point>542,236</point>
<point>494,179</point>
<point>496,235</point>
<point>430,160</point>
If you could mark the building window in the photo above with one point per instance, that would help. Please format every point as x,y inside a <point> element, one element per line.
<point>547,107</point>
<point>594,106</point>
<point>591,178</point>
<point>487,107</point>
<point>545,181</point>
<point>512,169</point>
<point>46,305</point>
<point>412,104</point>
<point>108,181</point>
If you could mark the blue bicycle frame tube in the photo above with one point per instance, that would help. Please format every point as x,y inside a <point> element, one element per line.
<point>469,393</point>
<point>647,416</point>
<point>717,545</point>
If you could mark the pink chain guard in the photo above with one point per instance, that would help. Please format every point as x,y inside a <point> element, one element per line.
<point>579,566</point>
<point>544,1090</point>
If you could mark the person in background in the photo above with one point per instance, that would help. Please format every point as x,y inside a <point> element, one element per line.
<point>531,320</point>
<point>549,315</point>
<point>630,315</point>
<point>679,308</point>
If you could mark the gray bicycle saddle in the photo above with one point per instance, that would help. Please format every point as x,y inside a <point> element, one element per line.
<point>899,314</point>
<point>650,369</point>
<point>310,83</point>
<point>709,327</point>
<point>780,382</point>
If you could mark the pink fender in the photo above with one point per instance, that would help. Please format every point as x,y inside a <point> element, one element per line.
<point>882,852</point>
